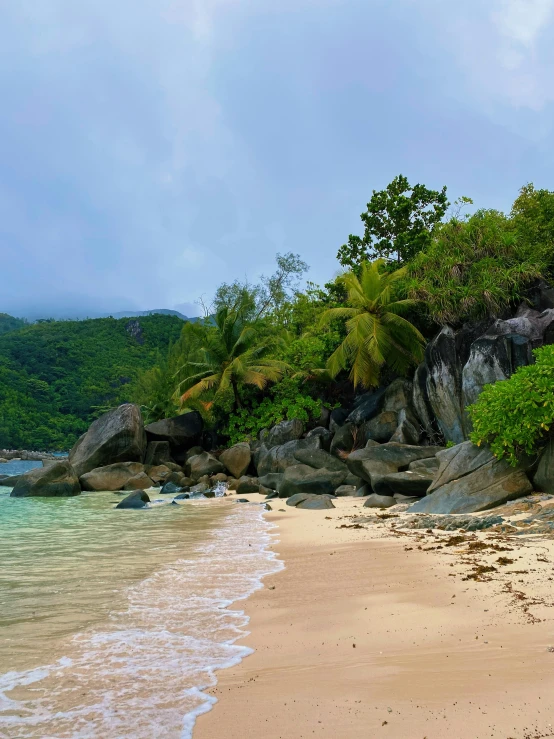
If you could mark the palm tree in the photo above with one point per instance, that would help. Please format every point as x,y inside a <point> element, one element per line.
<point>231,357</point>
<point>377,335</point>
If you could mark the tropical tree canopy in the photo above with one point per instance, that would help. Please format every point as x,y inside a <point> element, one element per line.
<point>233,356</point>
<point>377,334</point>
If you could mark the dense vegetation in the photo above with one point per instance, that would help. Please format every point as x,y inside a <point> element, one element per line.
<point>54,375</point>
<point>270,351</point>
<point>515,416</point>
<point>9,323</point>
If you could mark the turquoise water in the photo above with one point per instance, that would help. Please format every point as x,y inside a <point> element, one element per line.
<point>112,622</point>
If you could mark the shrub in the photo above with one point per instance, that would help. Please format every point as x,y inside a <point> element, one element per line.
<point>515,416</point>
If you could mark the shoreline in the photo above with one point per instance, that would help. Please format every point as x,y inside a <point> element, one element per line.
<point>370,631</point>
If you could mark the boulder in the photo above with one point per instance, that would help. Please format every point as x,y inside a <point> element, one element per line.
<point>111,477</point>
<point>297,498</point>
<point>444,384</point>
<point>204,464</point>
<point>366,407</point>
<point>408,431</point>
<point>170,488</point>
<point>344,439</point>
<point>325,435</point>
<point>420,400</point>
<point>544,476</point>
<point>337,419</point>
<point>248,485</point>
<point>117,436</point>
<point>182,433</point>
<point>272,494</point>
<point>324,417</point>
<point>379,501</point>
<point>219,477</point>
<point>344,491</point>
<point>157,453</point>
<point>429,466</point>
<point>193,451</point>
<point>138,482</point>
<point>159,473</point>
<point>283,432</point>
<point>271,480</point>
<point>200,488</point>
<point>6,481</point>
<point>137,499</point>
<point>304,479</point>
<point>413,484</point>
<point>279,458</point>
<point>382,427</point>
<point>373,464</point>
<point>398,396</point>
<point>458,461</point>
<point>319,459</point>
<point>316,503</point>
<point>56,480</point>
<point>237,459</point>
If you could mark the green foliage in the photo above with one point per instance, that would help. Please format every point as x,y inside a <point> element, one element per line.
<point>475,268</point>
<point>377,334</point>
<point>515,416</point>
<point>54,374</point>
<point>399,221</point>
<point>285,401</point>
<point>9,323</point>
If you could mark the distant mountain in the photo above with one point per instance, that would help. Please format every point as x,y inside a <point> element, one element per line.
<point>9,323</point>
<point>156,311</point>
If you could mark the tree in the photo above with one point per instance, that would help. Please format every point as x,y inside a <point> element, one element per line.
<point>399,221</point>
<point>231,357</point>
<point>377,334</point>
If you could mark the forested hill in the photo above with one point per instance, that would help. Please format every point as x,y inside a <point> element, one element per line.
<point>9,323</point>
<point>54,373</point>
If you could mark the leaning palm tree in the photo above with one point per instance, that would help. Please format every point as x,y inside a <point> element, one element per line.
<point>377,335</point>
<point>232,356</point>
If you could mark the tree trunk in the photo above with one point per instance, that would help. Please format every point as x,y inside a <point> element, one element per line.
<point>237,403</point>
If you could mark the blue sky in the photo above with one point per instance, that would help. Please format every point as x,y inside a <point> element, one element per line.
<point>151,150</point>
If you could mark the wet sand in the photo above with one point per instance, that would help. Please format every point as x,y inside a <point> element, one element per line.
<point>372,632</point>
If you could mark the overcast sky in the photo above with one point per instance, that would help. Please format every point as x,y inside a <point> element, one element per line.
<point>151,149</point>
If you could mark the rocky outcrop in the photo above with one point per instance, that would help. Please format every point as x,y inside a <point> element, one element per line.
<point>111,477</point>
<point>117,436</point>
<point>319,459</point>
<point>471,479</point>
<point>408,483</point>
<point>444,384</point>
<point>237,459</point>
<point>271,480</point>
<point>157,452</point>
<point>181,432</point>
<point>279,458</point>
<point>344,439</point>
<point>544,476</point>
<point>158,474</point>
<point>382,427</point>
<point>366,407</point>
<point>204,464</point>
<point>283,432</point>
<point>137,499</point>
<point>56,480</point>
<point>408,430</point>
<point>138,482</point>
<point>304,479</point>
<point>324,434</point>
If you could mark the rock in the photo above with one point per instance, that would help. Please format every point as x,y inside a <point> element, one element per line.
<point>111,477</point>
<point>444,384</point>
<point>279,458</point>
<point>193,452</point>
<point>344,491</point>
<point>117,436</point>
<point>138,482</point>
<point>271,495</point>
<point>324,417</point>
<point>408,431</point>
<point>170,488</point>
<point>237,459</point>
<point>137,499</point>
<point>304,479</point>
<point>204,464</point>
<point>182,433</point>
<point>248,485</point>
<point>219,477</point>
<point>408,499</point>
<point>56,480</point>
<point>366,407</point>
<point>209,494</point>
<point>413,484</point>
<point>5,481</point>
<point>382,427</point>
<point>271,480</point>
<point>379,501</point>
<point>158,473</point>
<point>337,419</point>
<point>319,459</point>
<point>325,435</point>
<point>297,498</point>
<point>398,396</point>
<point>284,432</point>
<point>544,476</point>
<point>351,479</point>
<point>452,523</point>
<point>242,500</point>
<point>183,496</point>
<point>3,461</point>
<point>428,466</point>
<point>201,488</point>
<point>420,400</point>
<point>344,439</point>
<point>364,491</point>
<point>316,503</point>
<point>157,453</point>
<point>470,481</point>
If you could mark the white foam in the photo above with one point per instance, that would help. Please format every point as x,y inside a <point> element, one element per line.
<point>144,673</point>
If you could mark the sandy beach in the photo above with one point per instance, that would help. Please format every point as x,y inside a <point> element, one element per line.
<point>371,631</point>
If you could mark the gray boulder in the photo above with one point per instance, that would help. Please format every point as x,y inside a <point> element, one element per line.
<point>248,485</point>
<point>204,464</point>
<point>271,480</point>
<point>56,480</point>
<point>279,458</point>
<point>398,396</point>
<point>444,384</point>
<point>408,430</point>
<point>158,473</point>
<point>284,432</point>
<point>237,459</point>
<point>138,482</point>
<point>379,501</point>
<point>346,491</point>
<point>157,452</point>
<point>9,481</point>
<point>112,476</point>
<point>117,436</point>
<point>344,439</point>
<point>413,484</point>
<point>420,400</point>
<point>170,488</point>
<point>458,461</point>
<point>382,427</point>
<point>366,407</point>
<point>297,498</point>
<point>319,459</point>
<point>304,479</point>
<point>316,503</point>
<point>325,435</point>
<point>137,499</point>
<point>426,466</point>
<point>337,419</point>
<point>182,432</point>
<point>544,476</point>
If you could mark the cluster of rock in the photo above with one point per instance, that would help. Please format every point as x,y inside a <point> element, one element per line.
<point>24,455</point>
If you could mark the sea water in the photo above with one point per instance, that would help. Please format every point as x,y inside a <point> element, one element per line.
<point>113,622</point>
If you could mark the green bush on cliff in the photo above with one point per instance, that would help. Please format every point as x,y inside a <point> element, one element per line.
<point>516,416</point>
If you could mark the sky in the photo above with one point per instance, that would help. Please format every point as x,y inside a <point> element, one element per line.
<point>151,150</point>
